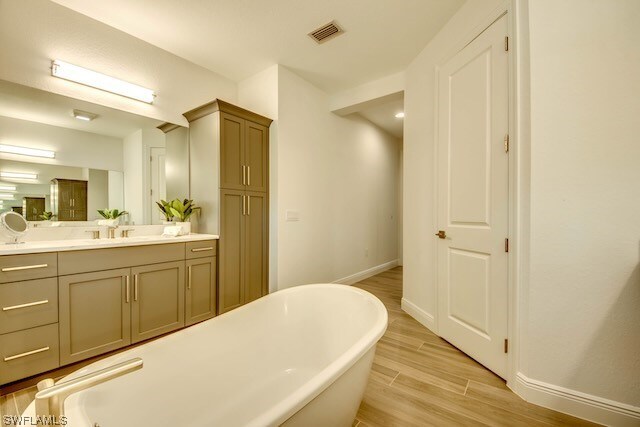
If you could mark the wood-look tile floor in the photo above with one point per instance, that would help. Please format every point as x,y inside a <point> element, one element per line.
<point>419,379</point>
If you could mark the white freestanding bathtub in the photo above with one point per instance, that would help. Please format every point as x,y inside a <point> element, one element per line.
<point>297,357</point>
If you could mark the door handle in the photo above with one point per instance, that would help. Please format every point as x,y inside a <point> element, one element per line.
<point>248,175</point>
<point>189,278</point>
<point>244,175</point>
<point>126,289</point>
<point>135,287</point>
<point>248,205</point>
<point>442,234</point>
<point>244,205</point>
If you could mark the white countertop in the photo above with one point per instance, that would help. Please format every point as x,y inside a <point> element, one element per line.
<point>81,244</point>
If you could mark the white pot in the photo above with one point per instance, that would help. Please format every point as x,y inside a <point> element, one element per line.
<point>109,222</point>
<point>168,223</point>
<point>185,227</point>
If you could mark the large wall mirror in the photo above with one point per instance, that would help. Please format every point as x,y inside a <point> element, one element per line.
<point>73,158</point>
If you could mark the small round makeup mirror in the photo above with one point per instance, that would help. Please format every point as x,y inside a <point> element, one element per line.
<point>14,225</point>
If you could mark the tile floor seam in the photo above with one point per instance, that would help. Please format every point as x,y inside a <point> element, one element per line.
<point>394,378</point>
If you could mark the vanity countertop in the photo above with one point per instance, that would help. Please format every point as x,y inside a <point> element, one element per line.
<point>81,244</point>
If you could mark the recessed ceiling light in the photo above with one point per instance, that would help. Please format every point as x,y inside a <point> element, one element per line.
<point>400,115</point>
<point>7,187</point>
<point>84,115</point>
<point>24,151</point>
<point>77,74</point>
<point>18,175</point>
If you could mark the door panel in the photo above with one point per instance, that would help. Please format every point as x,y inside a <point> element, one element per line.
<point>473,198</point>
<point>232,131</point>
<point>200,303</point>
<point>157,300</point>
<point>95,316</point>
<point>256,156</point>
<point>232,224</point>
<point>256,246</point>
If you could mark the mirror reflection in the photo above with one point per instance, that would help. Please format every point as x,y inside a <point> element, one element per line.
<point>63,159</point>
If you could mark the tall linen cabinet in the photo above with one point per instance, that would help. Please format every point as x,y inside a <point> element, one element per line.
<point>234,198</point>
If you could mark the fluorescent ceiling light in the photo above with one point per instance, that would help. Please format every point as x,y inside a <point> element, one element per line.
<point>7,187</point>
<point>400,115</point>
<point>71,72</point>
<point>6,196</point>
<point>18,175</point>
<point>24,151</point>
<point>84,115</point>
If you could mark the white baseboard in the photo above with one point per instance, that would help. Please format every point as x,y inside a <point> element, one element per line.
<point>419,314</point>
<point>355,278</point>
<point>583,405</point>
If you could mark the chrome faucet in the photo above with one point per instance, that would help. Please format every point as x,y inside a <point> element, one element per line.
<point>112,232</point>
<point>50,398</point>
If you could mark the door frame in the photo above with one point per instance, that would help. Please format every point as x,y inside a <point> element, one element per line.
<point>519,158</point>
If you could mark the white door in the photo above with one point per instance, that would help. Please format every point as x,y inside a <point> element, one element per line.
<point>158,183</point>
<point>473,198</point>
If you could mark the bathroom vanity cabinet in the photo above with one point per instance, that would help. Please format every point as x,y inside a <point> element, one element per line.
<point>60,308</point>
<point>239,140</point>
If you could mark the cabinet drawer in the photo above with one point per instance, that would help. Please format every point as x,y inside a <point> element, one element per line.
<point>28,304</point>
<point>89,260</point>
<point>202,249</point>
<point>28,352</point>
<point>14,268</point>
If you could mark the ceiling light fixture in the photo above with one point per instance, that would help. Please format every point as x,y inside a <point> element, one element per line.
<point>77,74</point>
<point>84,115</point>
<point>400,115</point>
<point>24,151</point>
<point>6,196</point>
<point>18,175</point>
<point>7,187</point>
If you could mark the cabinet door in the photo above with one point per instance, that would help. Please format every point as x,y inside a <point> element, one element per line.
<point>200,297</point>
<point>256,246</point>
<point>256,156</point>
<point>95,313</point>
<point>65,194</point>
<point>230,284</point>
<point>232,171</point>
<point>157,300</point>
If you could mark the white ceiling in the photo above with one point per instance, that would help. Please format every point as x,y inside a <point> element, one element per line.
<point>384,115</point>
<point>25,103</point>
<point>239,38</point>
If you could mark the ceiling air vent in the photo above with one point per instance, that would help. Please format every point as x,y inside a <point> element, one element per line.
<point>326,32</point>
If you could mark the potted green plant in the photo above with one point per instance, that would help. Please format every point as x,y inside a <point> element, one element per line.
<point>165,208</point>
<point>46,216</point>
<point>111,216</point>
<point>182,210</point>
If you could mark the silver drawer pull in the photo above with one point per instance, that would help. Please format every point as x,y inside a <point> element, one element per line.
<point>28,353</point>
<point>29,304</point>
<point>24,267</point>
<point>210,248</point>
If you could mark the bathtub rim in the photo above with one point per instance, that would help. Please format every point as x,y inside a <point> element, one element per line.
<point>324,378</point>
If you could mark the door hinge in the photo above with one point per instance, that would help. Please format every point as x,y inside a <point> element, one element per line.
<point>506,245</point>
<point>506,345</point>
<point>506,43</point>
<point>506,143</point>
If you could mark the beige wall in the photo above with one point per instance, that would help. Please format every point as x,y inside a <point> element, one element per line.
<point>584,291</point>
<point>579,291</point>
<point>341,175</point>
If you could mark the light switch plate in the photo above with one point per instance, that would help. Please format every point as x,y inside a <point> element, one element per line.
<point>292,215</point>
